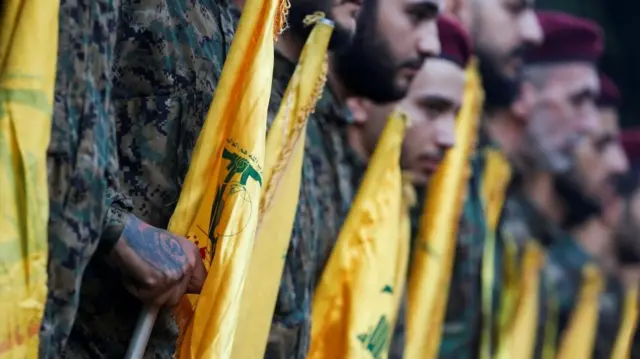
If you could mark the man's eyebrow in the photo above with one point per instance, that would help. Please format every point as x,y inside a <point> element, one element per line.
<point>436,99</point>
<point>430,6</point>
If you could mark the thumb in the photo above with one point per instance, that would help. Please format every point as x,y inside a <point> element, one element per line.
<point>198,277</point>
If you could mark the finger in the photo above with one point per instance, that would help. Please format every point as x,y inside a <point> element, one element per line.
<point>145,295</point>
<point>178,292</point>
<point>198,277</point>
<point>167,298</point>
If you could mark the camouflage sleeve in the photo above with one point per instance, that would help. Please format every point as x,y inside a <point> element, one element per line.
<point>119,205</point>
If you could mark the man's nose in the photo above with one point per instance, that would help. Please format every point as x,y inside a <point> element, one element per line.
<point>530,30</point>
<point>428,40</point>
<point>618,162</point>
<point>589,123</point>
<point>446,132</point>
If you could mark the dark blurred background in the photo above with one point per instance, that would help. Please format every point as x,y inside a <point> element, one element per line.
<point>621,21</point>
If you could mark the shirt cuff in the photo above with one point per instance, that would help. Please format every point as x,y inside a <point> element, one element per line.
<point>115,220</point>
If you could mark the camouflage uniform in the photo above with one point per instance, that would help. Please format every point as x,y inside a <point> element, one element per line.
<point>168,60</point>
<point>462,325</point>
<point>523,222</point>
<point>326,192</point>
<point>564,271</point>
<point>81,159</point>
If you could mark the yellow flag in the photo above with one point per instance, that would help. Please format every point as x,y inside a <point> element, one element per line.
<point>627,332</point>
<point>496,177</point>
<point>28,55</point>
<point>433,255</point>
<point>579,337</point>
<point>519,312</point>
<point>218,205</point>
<point>356,302</point>
<point>283,169</point>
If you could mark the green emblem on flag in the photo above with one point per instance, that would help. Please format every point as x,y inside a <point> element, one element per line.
<point>376,341</point>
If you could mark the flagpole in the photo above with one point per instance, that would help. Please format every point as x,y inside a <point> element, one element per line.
<point>141,333</point>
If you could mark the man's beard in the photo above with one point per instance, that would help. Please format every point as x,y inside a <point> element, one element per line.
<point>500,90</point>
<point>627,242</point>
<point>367,68</point>
<point>341,38</point>
<point>579,205</point>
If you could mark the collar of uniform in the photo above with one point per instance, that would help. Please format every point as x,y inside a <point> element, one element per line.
<point>283,67</point>
<point>235,12</point>
<point>331,108</point>
<point>572,252</point>
<point>358,164</point>
<point>484,140</point>
<point>542,229</point>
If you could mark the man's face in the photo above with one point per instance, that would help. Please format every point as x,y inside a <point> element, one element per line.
<point>502,30</point>
<point>432,105</point>
<point>393,39</point>
<point>601,160</point>
<point>342,12</point>
<point>563,112</point>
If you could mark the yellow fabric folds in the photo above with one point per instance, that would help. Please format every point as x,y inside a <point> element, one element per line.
<point>433,255</point>
<point>283,167</point>
<point>218,205</point>
<point>28,55</point>
<point>496,177</point>
<point>519,312</point>
<point>624,342</point>
<point>356,302</point>
<point>579,337</point>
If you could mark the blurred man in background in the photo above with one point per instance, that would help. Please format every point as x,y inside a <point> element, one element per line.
<point>290,322</point>
<point>432,104</point>
<point>501,30</point>
<point>392,40</point>
<point>601,163</point>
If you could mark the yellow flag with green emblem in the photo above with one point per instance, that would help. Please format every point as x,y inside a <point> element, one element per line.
<point>218,205</point>
<point>434,252</point>
<point>356,302</point>
<point>28,56</point>
<point>282,174</point>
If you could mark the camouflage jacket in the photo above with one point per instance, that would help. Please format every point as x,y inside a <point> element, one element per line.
<point>460,335</point>
<point>326,192</point>
<point>523,222</point>
<point>82,160</point>
<point>564,273</point>
<point>168,60</point>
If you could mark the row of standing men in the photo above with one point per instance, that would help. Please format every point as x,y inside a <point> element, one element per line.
<point>134,82</point>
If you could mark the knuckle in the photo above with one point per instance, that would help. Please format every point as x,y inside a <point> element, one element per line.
<point>151,281</point>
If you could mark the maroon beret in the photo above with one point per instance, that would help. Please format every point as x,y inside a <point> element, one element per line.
<point>631,143</point>
<point>455,42</point>
<point>609,94</point>
<point>567,38</point>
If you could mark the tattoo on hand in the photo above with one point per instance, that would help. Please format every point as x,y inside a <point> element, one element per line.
<point>157,247</point>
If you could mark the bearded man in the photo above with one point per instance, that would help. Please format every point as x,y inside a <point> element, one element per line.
<point>432,103</point>
<point>392,40</point>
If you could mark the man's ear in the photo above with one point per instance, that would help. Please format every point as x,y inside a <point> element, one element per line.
<point>359,108</point>
<point>522,107</point>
